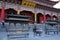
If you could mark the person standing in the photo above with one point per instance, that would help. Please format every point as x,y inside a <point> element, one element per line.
<point>34,30</point>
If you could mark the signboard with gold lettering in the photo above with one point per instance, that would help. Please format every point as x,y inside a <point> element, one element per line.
<point>28,4</point>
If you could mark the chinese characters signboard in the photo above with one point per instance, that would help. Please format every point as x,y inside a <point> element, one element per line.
<point>28,4</point>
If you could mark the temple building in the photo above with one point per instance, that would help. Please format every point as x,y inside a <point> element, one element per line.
<point>37,12</point>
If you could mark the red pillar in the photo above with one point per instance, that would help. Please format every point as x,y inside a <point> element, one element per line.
<point>2,13</point>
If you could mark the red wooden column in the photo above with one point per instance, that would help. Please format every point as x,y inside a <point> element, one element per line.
<point>3,12</point>
<point>2,19</point>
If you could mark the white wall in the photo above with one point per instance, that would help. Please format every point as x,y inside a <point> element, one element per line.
<point>28,9</point>
<point>11,6</point>
<point>47,12</point>
<point>54,13</point>
<point>39,11</point>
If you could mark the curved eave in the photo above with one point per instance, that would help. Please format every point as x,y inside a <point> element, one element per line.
<point>43,4</point>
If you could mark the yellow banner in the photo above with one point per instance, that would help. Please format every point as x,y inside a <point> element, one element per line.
<point>28,4</point>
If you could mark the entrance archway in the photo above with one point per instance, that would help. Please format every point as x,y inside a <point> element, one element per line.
<point>54,17</point>
<point>48,16</point>
<point>40,18</point>
<point>11,11</point>
<point>28,13</point>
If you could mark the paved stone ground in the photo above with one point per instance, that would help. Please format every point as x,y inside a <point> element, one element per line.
<point>3,36</point>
